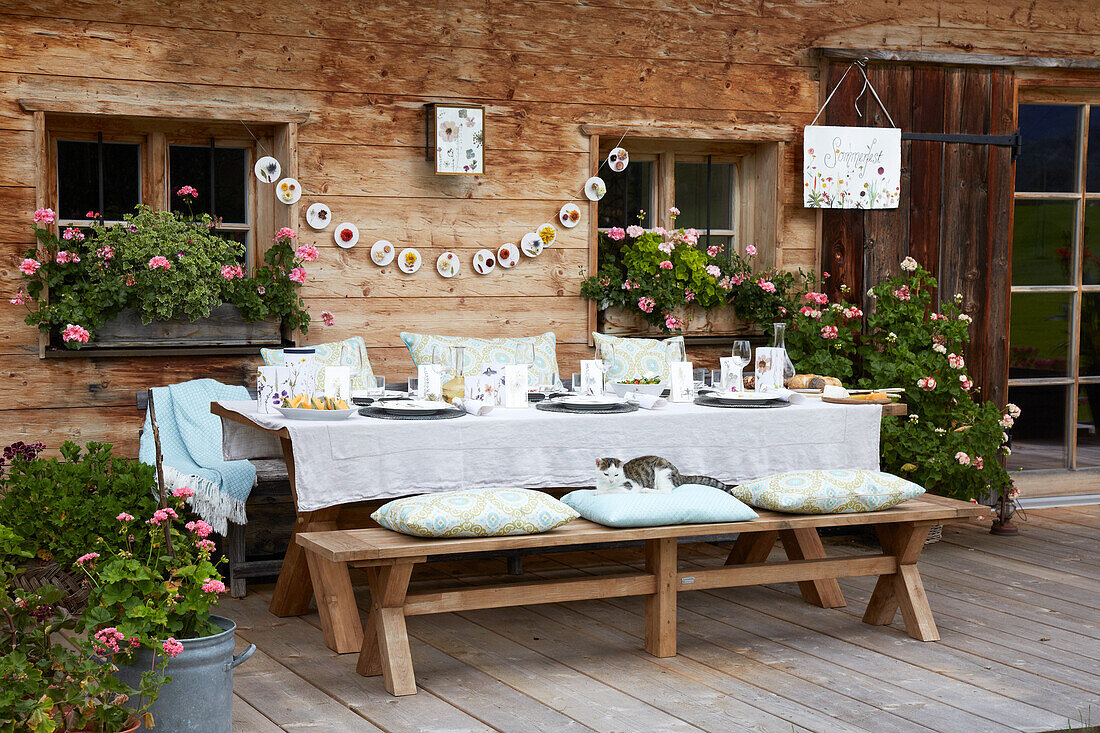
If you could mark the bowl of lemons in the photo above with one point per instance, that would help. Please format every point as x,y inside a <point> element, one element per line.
<point>304,407</point>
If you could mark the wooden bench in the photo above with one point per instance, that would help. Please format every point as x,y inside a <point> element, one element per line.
<point>389,559</point>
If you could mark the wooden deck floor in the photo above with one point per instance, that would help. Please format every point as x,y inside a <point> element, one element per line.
<point>1020,620</point>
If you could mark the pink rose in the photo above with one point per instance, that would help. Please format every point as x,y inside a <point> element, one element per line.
<point>616,234</point>
<point>29,266</point>
<point>306,253</point>
<point>75,333</point>
<point>44,216</point>
<point>297,275</point>
<point>750,250</point>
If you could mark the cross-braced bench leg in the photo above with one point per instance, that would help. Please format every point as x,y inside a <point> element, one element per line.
<point>805,544</point>
<point>335,603</point>
<point>385,648</point>
<point>904,588</point>
<point>751,548</point>
<point>660,608</point>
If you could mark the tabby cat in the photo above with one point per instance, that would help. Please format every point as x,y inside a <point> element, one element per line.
<point>645,474</point>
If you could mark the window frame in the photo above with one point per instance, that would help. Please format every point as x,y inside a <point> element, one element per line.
<point>252,256</point>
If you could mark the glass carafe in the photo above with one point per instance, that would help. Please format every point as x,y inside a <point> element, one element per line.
<point>779,342</point>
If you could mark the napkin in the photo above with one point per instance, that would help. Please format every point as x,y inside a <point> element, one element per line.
<point>646,401</point>
<point>786,395</point>
<point>474,407</point>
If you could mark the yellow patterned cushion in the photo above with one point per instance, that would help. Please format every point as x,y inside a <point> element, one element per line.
<point>827,492</point>
<point>349,352</point>
<point>480,351</point>
<point>636,358</point>
<point>475,513</point>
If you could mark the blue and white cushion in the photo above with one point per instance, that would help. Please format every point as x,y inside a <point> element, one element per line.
<point>827,492</point>
<point>636,358</point>
<point>480,351</point>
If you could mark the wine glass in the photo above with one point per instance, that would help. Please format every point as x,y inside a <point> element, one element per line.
<point>605,363</point>
<point>740,357</point>
<point>675,350</point>
<point>440,356</point>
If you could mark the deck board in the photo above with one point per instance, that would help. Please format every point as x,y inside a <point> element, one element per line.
<point>1020,621</point>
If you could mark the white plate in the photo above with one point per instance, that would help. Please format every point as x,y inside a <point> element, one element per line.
<point>592,401</point>
<point>508,255</point>
<point>318,216</point>
<point>382,253</point>
<point>531,245</point>
<point>408,260</point>
<point>484,261</point>
<point>288,190</point>
<point>569,216</point>
<point>301,413</point>
<point>618,159</point>
<point>548,233</point>
<point>595,189</point>
<point>338,234</point>
<point>751,397</point>
<point>267,169</point>
<point>413,407</point>
<point>448,264</point>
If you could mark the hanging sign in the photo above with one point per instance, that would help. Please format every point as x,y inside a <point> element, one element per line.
<point>851,167</point>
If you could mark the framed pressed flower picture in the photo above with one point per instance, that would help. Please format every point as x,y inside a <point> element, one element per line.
<point>456,139</point>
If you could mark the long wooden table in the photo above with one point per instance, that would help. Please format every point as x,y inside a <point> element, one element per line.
<point>390,558</point>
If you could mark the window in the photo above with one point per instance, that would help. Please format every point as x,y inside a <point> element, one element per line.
<point>628,193</point>
<point>97,176</point>
<point>705,196</point>
<point>221,176</point>
<point>1054,330</point>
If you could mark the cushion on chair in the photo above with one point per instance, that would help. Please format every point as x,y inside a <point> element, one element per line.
<point>635,358</point>
<point>474,513</point>
<point>349,352</point>
<point>687,504</point>
<point>489,351</point>
<point>827,492</point>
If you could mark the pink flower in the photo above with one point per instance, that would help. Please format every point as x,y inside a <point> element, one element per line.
<point>738,279</point>
<point>213,586</point>
<point>965,382</point>
<point>665,247</point>
<point>962,458</point>
<point>938,317</point>
<point>64,257</point>
<point>659,231</point>
<point>106,640</point>
<point>766,285</point>
<point>159,262</point>
<point>691,236</point>
<point>809,312</point>
<point>20,298</point>
<point>713,270</point>
<point>261,289</point>
<point>75,333</point>
<point>955,361</point>
<point>646,304</point>
<point>665,265</point>
<point>818,298</point>
<point>106,252</point>
<point>689,295</point>
<point>328,318</point>
<point>306,253</point>
<point>91,556</point>
<point>979,462</point>
<point>1007,421</point>
<point>726,283</point>
<point>72,233</point>
<point>199,527</point>
<point>909,264</point>
<point>750,250</point>
<point>232,272</point>
<point>616,234</point>
<point>938,340</point>
<point>712,251</point>
<point>124,517</point>
<point>187,191</point>
<point>825,275</point>
<point>829,332</point>
<point>297,275</point>
<point>91,215</point>
<point>44,216</point>
<point>672,323</point>
<point>634,231</point>
<point>161,515</point>
<point>29,266</point>
<point>927,383</point>
<point>605,282</point>
<point>285,233</point>
<point>205,545</point>
<point>852,312</point>
<point>1012,410</point>
<point>172,647</point>
<point>673,211</point>
<point>902,293</point>
<point>183,492</point>
<point>629,285</point>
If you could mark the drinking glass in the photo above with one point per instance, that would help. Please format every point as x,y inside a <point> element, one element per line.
<point>440,355</point>
<point>525,354</point>
<point>741,356</point>
<point>699,379</point>
<point>605,362</point>
<point>676,351</point>
<point>379,389</point>
<point>412,385</point>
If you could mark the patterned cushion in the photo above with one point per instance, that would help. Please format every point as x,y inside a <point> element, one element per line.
<point>827,492</point>
<point>637,357</point>
<point>474,513</point>
<point>349,352</point>
<point>687,504</point>
<point>489,351</point>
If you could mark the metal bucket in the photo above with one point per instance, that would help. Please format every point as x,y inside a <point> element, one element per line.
<point>200,695</point>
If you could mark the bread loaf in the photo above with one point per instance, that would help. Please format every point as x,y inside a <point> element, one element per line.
<point>801,381</point>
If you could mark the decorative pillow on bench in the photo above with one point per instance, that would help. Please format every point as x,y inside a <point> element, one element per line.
<point>687,504</point>
<point>349,352</point>
<point>636,357</point>
<point>474,513</point>
<point>827,492</point>
<point>489,351</point>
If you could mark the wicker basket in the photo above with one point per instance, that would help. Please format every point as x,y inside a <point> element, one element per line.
<point>935,534</point>
<point>35,578</point>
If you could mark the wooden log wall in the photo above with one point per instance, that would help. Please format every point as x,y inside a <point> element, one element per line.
<point>364,71</point>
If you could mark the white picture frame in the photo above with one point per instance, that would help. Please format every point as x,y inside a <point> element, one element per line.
<point>456,139</point>
<point>851,167</point>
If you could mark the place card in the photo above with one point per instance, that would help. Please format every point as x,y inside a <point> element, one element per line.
<point>429,382</point>
<point>769,368</point>
<point>272,387</point>
<point>732,375</point>
<point>515,385</point>
<point>337,381</point>
<point>591,377</point>
<point>681,386</point>
<point>302,365</point>
<point>486,384</point>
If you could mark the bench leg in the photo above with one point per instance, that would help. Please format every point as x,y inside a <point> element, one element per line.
<point>751,548</point>
<point>805,544</point>
<point>385,648</point>
<point>660,608</point>
<point>335,604</point>
<point>235,555</point>
<point>903,589</point>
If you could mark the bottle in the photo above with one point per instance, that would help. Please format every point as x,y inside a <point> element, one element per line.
<point>779,341</point>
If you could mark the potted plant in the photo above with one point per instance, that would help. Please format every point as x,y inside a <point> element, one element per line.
<point>50,687</point>
<point>660,281</point>
<point>162,277</point>
<point>150,604</point>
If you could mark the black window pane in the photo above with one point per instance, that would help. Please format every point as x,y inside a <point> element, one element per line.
<point>78,178</point>
<point>230,194</point>
<point>1090,265</point>
<point>1042,242</point>
<point>1039,435</point>
<point>189,166</point>
<point>694,186</point>
<point>1048,158</point>
<point>1039,335</point>
<point>627,193</point>
<point>1092,165</point>
<point>1090,335</point>
<point>1088,426</point>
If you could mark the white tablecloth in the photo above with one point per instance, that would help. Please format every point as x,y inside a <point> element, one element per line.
<point>365,458</point>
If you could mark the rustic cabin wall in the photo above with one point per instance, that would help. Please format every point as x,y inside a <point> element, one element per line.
<point>364,71</point>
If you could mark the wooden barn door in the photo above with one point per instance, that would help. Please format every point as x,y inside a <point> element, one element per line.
<point>955,212</point>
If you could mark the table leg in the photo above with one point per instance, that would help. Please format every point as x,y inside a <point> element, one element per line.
<point>385,648</point>
<point>660,608</point>
<point>904,588</point>
<point>336,604</point>
<point>805,544</point>
<point>752,547</point>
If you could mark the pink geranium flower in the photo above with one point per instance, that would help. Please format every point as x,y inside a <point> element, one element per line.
<point>927,383</point>
<point>297,275</point>
<point>124,517</point>
<point>616,234</point>
<point>187,191</point>
<point>956,361</point>
<point>328,318</point>
<point>200,528</point>
<point>129,279</point>
<point>73,233</point>
<point>766,285</point>
<point>306,252</point>
<point>979,462</point>
<point>285,233</point>
<point>44,216</point>
<point>672,323</point>
<point>183,492</point>
<point>64,257</point>
<point>817,298</point>
<point>73,332</point>
<point>19,298</point>
<point>809,312</point>
<point>665,265</point>
<point>712,251</point>
<point>172,647</point>
<point>673,211</point>
<point>205,545</point>
<point>689,294</point>
<point>665,247</point>
<point>213,586</point>
<point>852,312</point>
<point>902,293</point>
<point>29,266</point>
<point>691,236</point>
<point>89,557</point>
<point>965,382</point>
<point>161,515</point>
<point>159,262</point>
<point>713,270</point>
<point>829,332</point>
<point>106,252</point>
<point>232,272</point>
<point>962,458</point>
<point>750,250</point>
<point>634,231</point>
<point>645,304</point>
